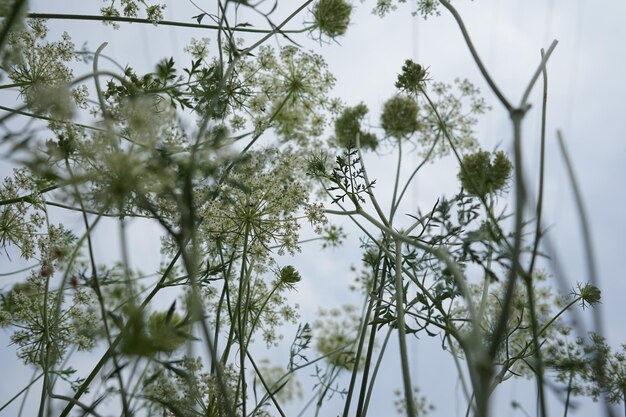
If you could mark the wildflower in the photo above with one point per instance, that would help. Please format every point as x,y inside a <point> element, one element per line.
<point>331,17</point>
<point>588,294</point>
<point>480,176</point>
<point>399,117</point>
<point>446,124</point>
<point>289,276</point>
<point>411,79</point>
<point>348,129</point>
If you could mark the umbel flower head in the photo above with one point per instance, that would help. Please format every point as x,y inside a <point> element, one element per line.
<point>412,77</point>
<point>399,117</point>
<point>289,276</point>
<point>480,176</point>
<point>331,17</point>
<point>348,127</point>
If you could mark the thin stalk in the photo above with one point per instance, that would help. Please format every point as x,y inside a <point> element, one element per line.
<point>394,201</point>
<point>439,253</point>
<point>404,359</point>
<point>459,370</point>
<point>370,348</point>
<point>589,254</point>
<point>30,198</point>
<point>243,284</point>
<point>511,361</point>
<point>569,392</point>
<point>486,372</point>
<point>542,165</point>
<point>258,316</point>
<point>486,278</point>
<point>368,185</point>
<point>278,28</point>
<point>415,171</point>
<point>477,59</point>
<point>541,69</point>
<point>88,211</point>
<point>362,334</point>
<point>267,389</point>
<point>278,384</point>
<point>121,19</point>
<point>45,354</point>
<point>584,225</point>
<point>16,396</point>
<point>529,277</point>
<point>87,409</point>
<point>370,388</point>
<point>14,85</point>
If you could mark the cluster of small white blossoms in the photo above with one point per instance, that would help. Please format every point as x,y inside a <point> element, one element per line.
<point>130,8</point>
<point>41,70</point>
<point>424,8</point>
<point>457,122</point>
<point>189,389</point>
<point>519,326</point>
<point>315,213</point>
<point>260,204</point>
<point>336,331</point>
<point>21,220</point>
<point>54,328</point>
<point>267,309</point>
<point>273,375</point>
<point>289,93</point>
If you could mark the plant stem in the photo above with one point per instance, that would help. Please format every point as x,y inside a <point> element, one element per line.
<point>121,19</point>
<point>477,59</point>
<point>404,359</point>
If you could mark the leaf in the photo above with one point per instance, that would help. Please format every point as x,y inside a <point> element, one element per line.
<point>199,17</point>
<point>170,312</point>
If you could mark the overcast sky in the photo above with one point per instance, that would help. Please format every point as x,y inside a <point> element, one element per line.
<point>586,101</point>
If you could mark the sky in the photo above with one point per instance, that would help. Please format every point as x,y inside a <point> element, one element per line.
<point>585,101</point>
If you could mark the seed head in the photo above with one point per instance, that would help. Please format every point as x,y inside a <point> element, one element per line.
<point>331,17</point>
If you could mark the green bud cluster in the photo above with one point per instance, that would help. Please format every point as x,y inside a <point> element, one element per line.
<point>331,17</point>
<point>480,176</point>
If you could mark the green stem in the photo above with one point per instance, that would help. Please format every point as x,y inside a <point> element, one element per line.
<point>477,59</point>
<point>569,391</point>
<point>121,19</point>
<point>370,388</point>
<point>404,359</point>
<point>394,201</point>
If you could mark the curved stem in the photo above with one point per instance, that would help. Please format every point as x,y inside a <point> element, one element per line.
<point>477,59</point>
<point>541,69</point>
